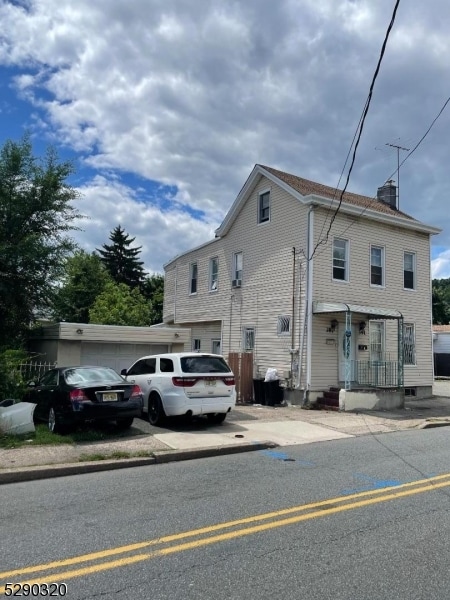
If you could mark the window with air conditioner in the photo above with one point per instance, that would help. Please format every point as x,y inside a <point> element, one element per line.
<point>213,274</point>
<point>237,269</point>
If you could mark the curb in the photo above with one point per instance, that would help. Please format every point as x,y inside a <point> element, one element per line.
<point>433,424</point>
<point>159,457</point>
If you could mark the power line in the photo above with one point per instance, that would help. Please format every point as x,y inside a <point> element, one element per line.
<point>403,161</point>
<point>360,127</point>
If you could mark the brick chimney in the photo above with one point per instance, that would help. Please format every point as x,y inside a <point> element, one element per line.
<point>387,193</point>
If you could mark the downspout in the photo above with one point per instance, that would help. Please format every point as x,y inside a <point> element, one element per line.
<point>309,297</point>
<point>433,368</point>
<point>175,295</point>
<point>293,318</point>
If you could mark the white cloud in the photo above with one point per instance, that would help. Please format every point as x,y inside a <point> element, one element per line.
<point>162,233</point>
<point>194,94</point>
<point>440,266</point>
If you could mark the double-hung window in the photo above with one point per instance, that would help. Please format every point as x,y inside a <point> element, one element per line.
<point>409,344</point>
<point>340,259</point>
<point>377,265</point>
<point>213,274</point>
<point>237,269</point>
<point>193,276</point>
<point>409,271</point>
<point>264,207</point>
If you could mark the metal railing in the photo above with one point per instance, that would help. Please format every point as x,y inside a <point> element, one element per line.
<point>33,370</point>
<point>379,373</point>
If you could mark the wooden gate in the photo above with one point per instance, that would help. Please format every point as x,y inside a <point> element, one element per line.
<point>241,364</point>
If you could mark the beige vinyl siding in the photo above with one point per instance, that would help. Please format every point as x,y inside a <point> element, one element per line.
<point>205,332</point>
<point>169,294</point>
<point>267,280</point>
<point>414,305</point>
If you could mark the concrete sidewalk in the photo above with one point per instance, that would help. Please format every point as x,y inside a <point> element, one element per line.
<point>247,428</point>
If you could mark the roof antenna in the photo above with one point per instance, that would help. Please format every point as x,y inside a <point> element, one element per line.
<point>398,169</point>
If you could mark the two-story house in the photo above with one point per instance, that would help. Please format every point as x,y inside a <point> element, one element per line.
<point>332,292</point>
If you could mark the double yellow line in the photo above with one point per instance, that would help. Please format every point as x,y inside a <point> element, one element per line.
<point>60,570</point>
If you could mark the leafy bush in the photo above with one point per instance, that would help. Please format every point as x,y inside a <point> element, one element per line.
<point>12,383</point>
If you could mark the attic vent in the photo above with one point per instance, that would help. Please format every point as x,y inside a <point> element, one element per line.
<point>387,194</point>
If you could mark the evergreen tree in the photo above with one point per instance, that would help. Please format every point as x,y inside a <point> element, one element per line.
<point>121,260</point>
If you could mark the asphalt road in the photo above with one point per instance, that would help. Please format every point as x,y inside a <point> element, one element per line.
<point>361,518</point>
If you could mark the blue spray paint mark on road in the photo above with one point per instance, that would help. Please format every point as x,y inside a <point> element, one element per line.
<point>373,484</point>
<point>275,454</point>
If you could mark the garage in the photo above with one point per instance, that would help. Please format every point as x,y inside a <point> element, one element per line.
<point>115,346</point>
<point>117,356</point>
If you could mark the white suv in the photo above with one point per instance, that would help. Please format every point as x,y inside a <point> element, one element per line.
<point>185,383</point>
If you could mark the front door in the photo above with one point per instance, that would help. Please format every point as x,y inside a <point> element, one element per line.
<point>342,346</point>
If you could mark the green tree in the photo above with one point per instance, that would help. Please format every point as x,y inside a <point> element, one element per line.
<point>121,260</point>
<point>36,215</point>
<point>153,289</point>
<point>84,279</point>
<point>118,304</point>
<point>441,301</point>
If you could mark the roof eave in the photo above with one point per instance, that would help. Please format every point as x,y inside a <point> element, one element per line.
<point>359,211</point>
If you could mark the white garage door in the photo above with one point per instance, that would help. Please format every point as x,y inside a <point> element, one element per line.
<point>117,356</point>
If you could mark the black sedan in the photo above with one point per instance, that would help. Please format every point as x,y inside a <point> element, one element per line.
<point>69,396</point>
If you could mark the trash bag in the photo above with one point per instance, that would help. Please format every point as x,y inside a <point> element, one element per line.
<point>17,419</point>
<point>271,375</point>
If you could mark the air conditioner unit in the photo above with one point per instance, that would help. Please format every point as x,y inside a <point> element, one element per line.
<point>236,283</point>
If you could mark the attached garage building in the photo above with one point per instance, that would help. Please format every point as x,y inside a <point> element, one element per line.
<point>70,344</point>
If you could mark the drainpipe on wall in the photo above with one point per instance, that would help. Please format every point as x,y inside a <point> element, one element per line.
<point>308,308</point>
<point>175,295</point>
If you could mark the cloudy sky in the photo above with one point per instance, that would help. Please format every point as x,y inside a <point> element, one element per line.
<point>166,105</point>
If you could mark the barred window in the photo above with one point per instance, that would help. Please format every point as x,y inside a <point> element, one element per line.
<point>249,339</point>
<point>284,325</point>
<point>409,344</point>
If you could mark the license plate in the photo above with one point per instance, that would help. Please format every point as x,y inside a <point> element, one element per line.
<point>109,397</point>
<point>210,382</point>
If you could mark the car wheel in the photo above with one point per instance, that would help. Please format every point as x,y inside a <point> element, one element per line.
<point>122,424</point>
<point>156,414</point>
<point>53,422</point>
<point>216,418</point>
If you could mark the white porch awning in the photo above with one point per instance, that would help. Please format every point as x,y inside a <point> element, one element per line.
<point>370,311</point>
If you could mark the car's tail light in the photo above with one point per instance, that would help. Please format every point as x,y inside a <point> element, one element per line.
<point>78,396</point>
<point>136,391</point>
<point>184,381</point>
<point>228,380</point>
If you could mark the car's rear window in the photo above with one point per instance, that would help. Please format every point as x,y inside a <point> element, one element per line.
<point>78,376</point>
<point>204,364</point>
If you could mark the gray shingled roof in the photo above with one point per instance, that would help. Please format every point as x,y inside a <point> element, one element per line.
<point>306,188</point>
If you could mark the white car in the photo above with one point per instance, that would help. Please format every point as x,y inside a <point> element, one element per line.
<point>184,383</point>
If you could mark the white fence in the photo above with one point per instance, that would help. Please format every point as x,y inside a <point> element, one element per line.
<point>34,370</point>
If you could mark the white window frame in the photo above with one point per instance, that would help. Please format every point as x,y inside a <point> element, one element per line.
<point>262,209</point>
<point>248,339</point>
<point>213,276</point>
<point>413,255</point>
<point>218,342</point>
<point>409,329</point>
<point>193,268</point>
<point>238,265</point>
<point>378,329</point>
<point>196,344</point>
<point>345,260</point>
<point>381,266</point>
<point>283,321</point>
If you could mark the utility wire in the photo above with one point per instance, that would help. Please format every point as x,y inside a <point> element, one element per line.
<point>360,127</point>
<point>403,161</point>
